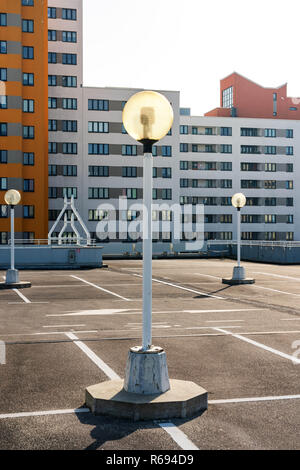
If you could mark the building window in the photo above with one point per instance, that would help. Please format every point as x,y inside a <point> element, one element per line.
<point>52,192</point>
<point>27,26</point>
<point>166,172</point>
<point>226,201</point>
<point>52,170</point>
<point>154,150</point>
<point>52,125</point>
<point>28,106</point>
<point>3,211</point>
<point>184,147</point>
<point>69,170</point>
<point>52,12</point>
<point>166,151</point>
<point>290,219</point>
<point>270,219</point>
<point>28,52</point>
<point>69,36</point>
<point>270,166</point>
<point>70,192</point>
<point>129,171</point>
<point>289,202</point>
<point>154,172</point>
<point>97,214</point>
<point>289,167</point>
<point>3,19</point>
<point>226,183</point>
<point>98,105</point>
<point>270,132</point>
<point>270,184</point>
<point>184,182</point>
<point>3,129</point>
<point>270,150</point>
<point>3,47</point>
<point>28,158</point>
<point>3,75</point>
<point>3,238</point>
<point>28,3</point>
<point>69,59</point>
<point>98,149</point>
<point>28,132</point>
<point>166,194</point>
<point>101,171</point>
<point>98,127</point>
<point>3,102</point>
<point>249,132</point>
<point>184,165</point>
<point>293,108</point>
<point>28,186</point>
<point>69,126</point>
<point>69,81</point>
<point>227,98</point>
<point>226,166</point>
<point>289,133</point>
<point>289,151</point>
<point>69,14</point>
<point>52,35</point>
<point>52,103</point>
<point>184,129</point>
<point>130,193</point>
<point>28,212</point>
<point>3,156</point>
<point>52,147</point>
<point>289,185</point>
<point>226,131</point>
<point>28,79</point>
<point>52,58</point>
<point>98,193</point>
<point>225,148</point>
<point>129,150</point>
<point>52,80</point>
<point>69,148</point>
<point>69,103</point>
<point>3,184</point>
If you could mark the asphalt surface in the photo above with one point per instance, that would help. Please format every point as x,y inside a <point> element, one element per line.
<point>238,342</point>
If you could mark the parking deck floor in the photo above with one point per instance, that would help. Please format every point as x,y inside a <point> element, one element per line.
<point>72,329</point>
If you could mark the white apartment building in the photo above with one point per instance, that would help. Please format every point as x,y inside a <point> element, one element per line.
<point>202,162</point>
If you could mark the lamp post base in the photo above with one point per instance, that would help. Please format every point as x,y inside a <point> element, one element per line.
<point>12,276</point>
<point>183,400</point>
<point>238,277</point>
<point>146,371</point>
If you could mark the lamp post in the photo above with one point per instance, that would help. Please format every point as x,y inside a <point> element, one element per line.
<point>147,117</point>
<point>12,198</point>
<point>238,201</point>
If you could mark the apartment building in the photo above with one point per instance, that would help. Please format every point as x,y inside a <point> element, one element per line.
<point>23,115</point>
<point>249,144</point>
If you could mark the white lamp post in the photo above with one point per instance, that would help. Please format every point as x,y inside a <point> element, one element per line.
<point>12,198</point>
<point>238,201</point>
<point>147,117</point>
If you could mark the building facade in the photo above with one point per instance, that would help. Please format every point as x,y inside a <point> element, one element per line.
<point>60,139</point>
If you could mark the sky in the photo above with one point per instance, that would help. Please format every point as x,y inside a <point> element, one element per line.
<point>189,45</point>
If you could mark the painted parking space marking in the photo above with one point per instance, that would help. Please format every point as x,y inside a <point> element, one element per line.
<point>27,301</point>
<point>260,345</point>
<point>104,367</point>
<point>220,321</point>
<point>253,399</point>
<point>100,288</point>
<point>278,275</point>
<point>64,326</point>
<point>224,311</point>
<point>106,311</point>
<point>188,289</point>
<point>274,290</point>
<point>178,436</point>
<point>26,414</point>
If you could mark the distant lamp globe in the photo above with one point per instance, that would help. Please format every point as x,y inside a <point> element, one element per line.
<point>238,200</point>
<point>148,116</point>
<point>12,197</point>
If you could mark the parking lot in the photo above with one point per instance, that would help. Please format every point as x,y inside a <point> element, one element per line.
<point>72,329</point>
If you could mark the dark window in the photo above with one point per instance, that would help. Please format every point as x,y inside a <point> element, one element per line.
<point>28,212</point>
<point>69,59</point>
<point>52,35</point>
<point>28,132</point>
<point>69,126</point>
<point>28,158</point>
<point>69,36</point>
<point>166,151</point>
<point>129,171</point>
<point>28,185</point>
<point>27,26</point>
<point>52,58</point>
<point>52,80</point>
<point>51,12</point>
<point>3,19</point>
<point>129,150</point>
<point>69,81</point>
<point>3,129</point>
<point>70,148</point>
<point>3,75</point>
<point>98,149</point>
<point>98,105</point>
<point>28,52</point>
<point>52,125</point>
<point>226,131</point>
<point>3,47</point>
<point>70,170</point>
<point>3,184</point>
<point>28,79</point>
<point>99,171</point>
<point>3,156</point>
<point>28,3</point>
<point>69,14</point>
<point>69,103</point>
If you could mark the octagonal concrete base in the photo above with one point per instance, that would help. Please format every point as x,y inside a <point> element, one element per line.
<point>183,400</point>
<point>15,285</point>
<point>234,282</point>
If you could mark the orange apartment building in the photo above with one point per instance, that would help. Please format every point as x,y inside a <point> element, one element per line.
<point>241,97</point>
<point>24,115</point>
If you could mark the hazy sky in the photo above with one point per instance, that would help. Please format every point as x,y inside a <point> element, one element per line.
<point>189,45</point>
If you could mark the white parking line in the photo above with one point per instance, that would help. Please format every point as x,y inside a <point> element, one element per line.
<point>208,275</point>
<point>183,288</point>
<point>27,301</point>
<point>223,311</point>
<point>104,367</point>
<point>178,436</point>
<point>63,326</point>
<point>100,288</point>
<point>220,321</point>
<point>254,399</point>
<point>277,275</point>
<point>275,290</point>
<point>44,413</point>
<point>260,345</point>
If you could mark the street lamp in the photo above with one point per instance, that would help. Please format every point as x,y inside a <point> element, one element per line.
<point>238,201</point>
<point>147,117</point>
<point>12,198</point>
